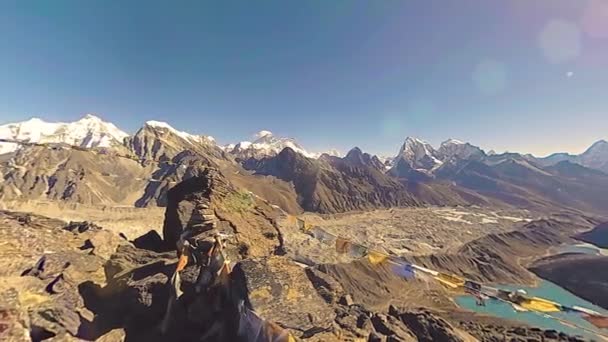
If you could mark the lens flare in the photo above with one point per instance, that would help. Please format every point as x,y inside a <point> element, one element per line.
<point>560,41</point>
<point>595,19</point>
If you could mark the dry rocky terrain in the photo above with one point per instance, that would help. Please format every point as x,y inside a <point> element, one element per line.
<point>93,284</point>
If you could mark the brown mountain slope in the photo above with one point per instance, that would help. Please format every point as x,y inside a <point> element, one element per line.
<point>72,176</point>
<point>502,257</point>
<point>334,185</point>
<point>518,182</point>
<point>36,173</point>
<point>597,236</point>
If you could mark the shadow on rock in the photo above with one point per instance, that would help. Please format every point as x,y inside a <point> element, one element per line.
<point>152,241</point>
<point>134,299</point>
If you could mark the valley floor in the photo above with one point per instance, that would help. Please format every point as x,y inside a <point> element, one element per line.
<point>130,221</point>
<point>415,231</point>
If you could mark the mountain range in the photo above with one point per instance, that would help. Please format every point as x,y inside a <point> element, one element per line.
<point>286,174</point>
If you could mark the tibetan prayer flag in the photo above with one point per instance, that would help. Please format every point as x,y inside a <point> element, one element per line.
<point>489,291</point>
<point>321,235</point>
<point>405,271</point>
<point>472,287</point>
<point>357,251</point>
<point>376,258</point>
<point>597,320</point>
<point>342,245</point>
<point>425,270</point>
<point>585,310</point>
<point>449,280</point>
<point>540,305</point>
<point>182,262</point>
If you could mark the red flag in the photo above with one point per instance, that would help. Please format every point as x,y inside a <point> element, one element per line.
<point>598,321</point>
<point>342,245</point>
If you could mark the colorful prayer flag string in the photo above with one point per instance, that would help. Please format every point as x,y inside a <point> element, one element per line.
<point>409,271</point>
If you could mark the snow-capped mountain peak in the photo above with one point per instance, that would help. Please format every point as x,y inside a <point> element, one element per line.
<point>453,148</point>
<point>88,132</point>
<point>267,144</point>
<point>419,154</point>
<point>595,156</point>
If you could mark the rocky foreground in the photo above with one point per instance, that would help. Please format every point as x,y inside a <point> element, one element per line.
<point>64,282</point>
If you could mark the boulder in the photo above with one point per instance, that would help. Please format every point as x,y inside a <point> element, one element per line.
<point>104,243</point>
<point>392,327</point>
<point>116,335</point>
<point>209,203</point>
<point>280,291</point>
<point>81,226</point>
<point>427,326</point>
<point>189,205</point>
<point>151,241</point>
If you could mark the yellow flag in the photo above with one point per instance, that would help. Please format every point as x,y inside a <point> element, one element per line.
<point>449,280</point>
<point>376,258</point>
<point>540,304</point>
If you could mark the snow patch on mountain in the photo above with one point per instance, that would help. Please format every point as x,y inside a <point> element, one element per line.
<point>267,144</point>
<point>332,152</point>
<point>453,148</point>
<point>88,132</point>
<point>184,135</point>
<point>453,142</point>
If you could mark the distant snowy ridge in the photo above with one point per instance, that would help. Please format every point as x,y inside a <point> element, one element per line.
<point>266,144</point>
<point>181,134</point>
<point>88,132</point>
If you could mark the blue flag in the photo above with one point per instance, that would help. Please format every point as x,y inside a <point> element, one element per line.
<point>405,271</point>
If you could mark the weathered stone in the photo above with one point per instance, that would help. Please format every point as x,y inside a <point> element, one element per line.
<point>391,327</point>
<point>428,327</point>
<point>81,227</point>
<point>182,201</point>
<point>374,337</point>
<point>280,291</point>
<point>116,335</point>
<point>346,300</point>
<point>364,322</point>
<point>104,243</point>
<point>551,334</point>
<point>151,241</point>
<point>208,204</point>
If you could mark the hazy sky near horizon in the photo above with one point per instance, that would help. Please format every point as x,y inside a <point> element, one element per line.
<point>516,75</point>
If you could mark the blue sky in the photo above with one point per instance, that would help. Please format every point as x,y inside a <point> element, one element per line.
<point>529,76</point>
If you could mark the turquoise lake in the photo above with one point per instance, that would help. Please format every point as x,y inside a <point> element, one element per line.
<point>546,290</point>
